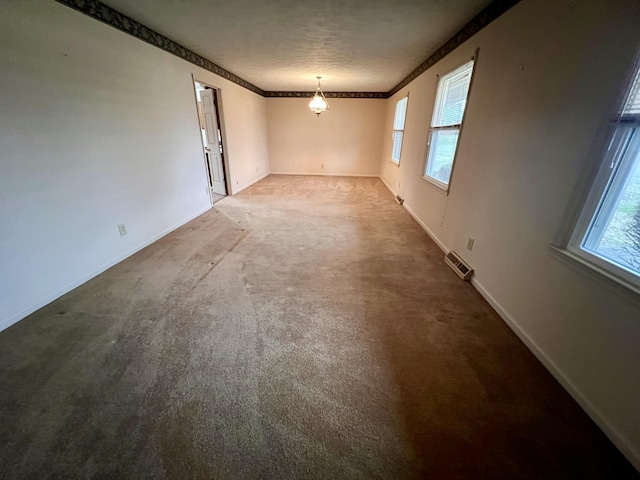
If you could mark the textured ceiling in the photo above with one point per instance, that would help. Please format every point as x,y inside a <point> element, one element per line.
<point>355,45</point>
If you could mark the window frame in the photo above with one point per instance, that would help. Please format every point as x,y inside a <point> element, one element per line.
<point>457,127</point>
<point>401,131</point>
<point>608,181</point>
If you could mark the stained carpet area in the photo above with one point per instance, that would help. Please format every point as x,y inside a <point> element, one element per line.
<point>306,328</point>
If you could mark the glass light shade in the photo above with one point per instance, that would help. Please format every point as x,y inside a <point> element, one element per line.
<point>317,104</point>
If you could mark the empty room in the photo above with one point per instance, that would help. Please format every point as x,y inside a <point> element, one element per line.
<point>336,239</point>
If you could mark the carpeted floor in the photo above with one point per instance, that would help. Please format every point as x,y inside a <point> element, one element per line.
<point>306,328</point>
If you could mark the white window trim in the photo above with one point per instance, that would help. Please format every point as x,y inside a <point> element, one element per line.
<point>432,180</point>
<point>587,215</point>
<point>441,185</point>
<point>393,131</point>
<point>616,274</point>
<point>603,276</point>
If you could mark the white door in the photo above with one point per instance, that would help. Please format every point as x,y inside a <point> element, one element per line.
<point>212,147</point>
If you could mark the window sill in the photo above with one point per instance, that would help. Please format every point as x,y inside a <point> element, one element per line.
<point>397,164</point>
<point>608,279</point>
<point>444,189</point>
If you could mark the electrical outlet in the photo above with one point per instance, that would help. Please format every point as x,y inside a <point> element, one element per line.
<point>322,166</point>
<point>470,243</point>
<point>257,169</point>
<point>122,228</point>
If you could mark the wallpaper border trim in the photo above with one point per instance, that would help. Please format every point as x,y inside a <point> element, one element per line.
<point>99,11</point>
<point>491,12</point>
<point>106,14</point>
<point>272,94</point>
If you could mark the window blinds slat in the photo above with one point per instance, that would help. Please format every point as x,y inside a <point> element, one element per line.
<point>451,96</point>
<point>632,105</point>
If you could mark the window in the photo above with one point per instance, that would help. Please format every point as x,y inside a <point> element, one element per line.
<point>398,128</point>
<point>448,114</point>
<point>608,231</point>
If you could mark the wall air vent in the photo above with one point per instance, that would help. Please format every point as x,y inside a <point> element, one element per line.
<point>458,265</point>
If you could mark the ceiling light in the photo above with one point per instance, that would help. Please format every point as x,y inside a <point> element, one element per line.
<point>319,103</point>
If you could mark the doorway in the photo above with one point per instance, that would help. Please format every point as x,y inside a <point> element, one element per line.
<point>208,105</point>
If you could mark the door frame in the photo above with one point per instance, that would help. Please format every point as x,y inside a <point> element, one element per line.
<point>217,93</point>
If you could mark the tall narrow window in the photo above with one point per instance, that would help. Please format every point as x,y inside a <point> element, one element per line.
<point>448,114</point>
<point>608,232</point>
<point>398,128</point>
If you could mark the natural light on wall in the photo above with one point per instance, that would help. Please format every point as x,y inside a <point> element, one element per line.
<point>448,114</point>
<point>608,231</point>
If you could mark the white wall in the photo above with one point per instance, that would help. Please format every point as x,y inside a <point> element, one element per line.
<point>98,128</point>
<point>525,147</point>
<point>346,139</point>
<point>244,118</point>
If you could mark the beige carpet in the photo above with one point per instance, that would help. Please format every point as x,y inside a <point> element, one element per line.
<point>306,328</point>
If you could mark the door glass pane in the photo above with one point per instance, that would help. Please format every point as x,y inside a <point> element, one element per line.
<point>442,149</point>
<point>615,231</point>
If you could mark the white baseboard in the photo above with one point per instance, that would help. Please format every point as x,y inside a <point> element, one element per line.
<point>618,440</point>
<point>250,183</point>
<point>307,174</point>
<point>388,186</point>
<point>418,220</point>
<point>15,318</point>
<point>426,229</point>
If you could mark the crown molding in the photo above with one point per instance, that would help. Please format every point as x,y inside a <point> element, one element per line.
<point>105,14</point>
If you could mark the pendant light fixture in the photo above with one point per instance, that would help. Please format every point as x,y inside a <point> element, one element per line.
<point>319,103</point>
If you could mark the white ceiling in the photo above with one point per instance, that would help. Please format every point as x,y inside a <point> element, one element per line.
<point>355,45</point>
